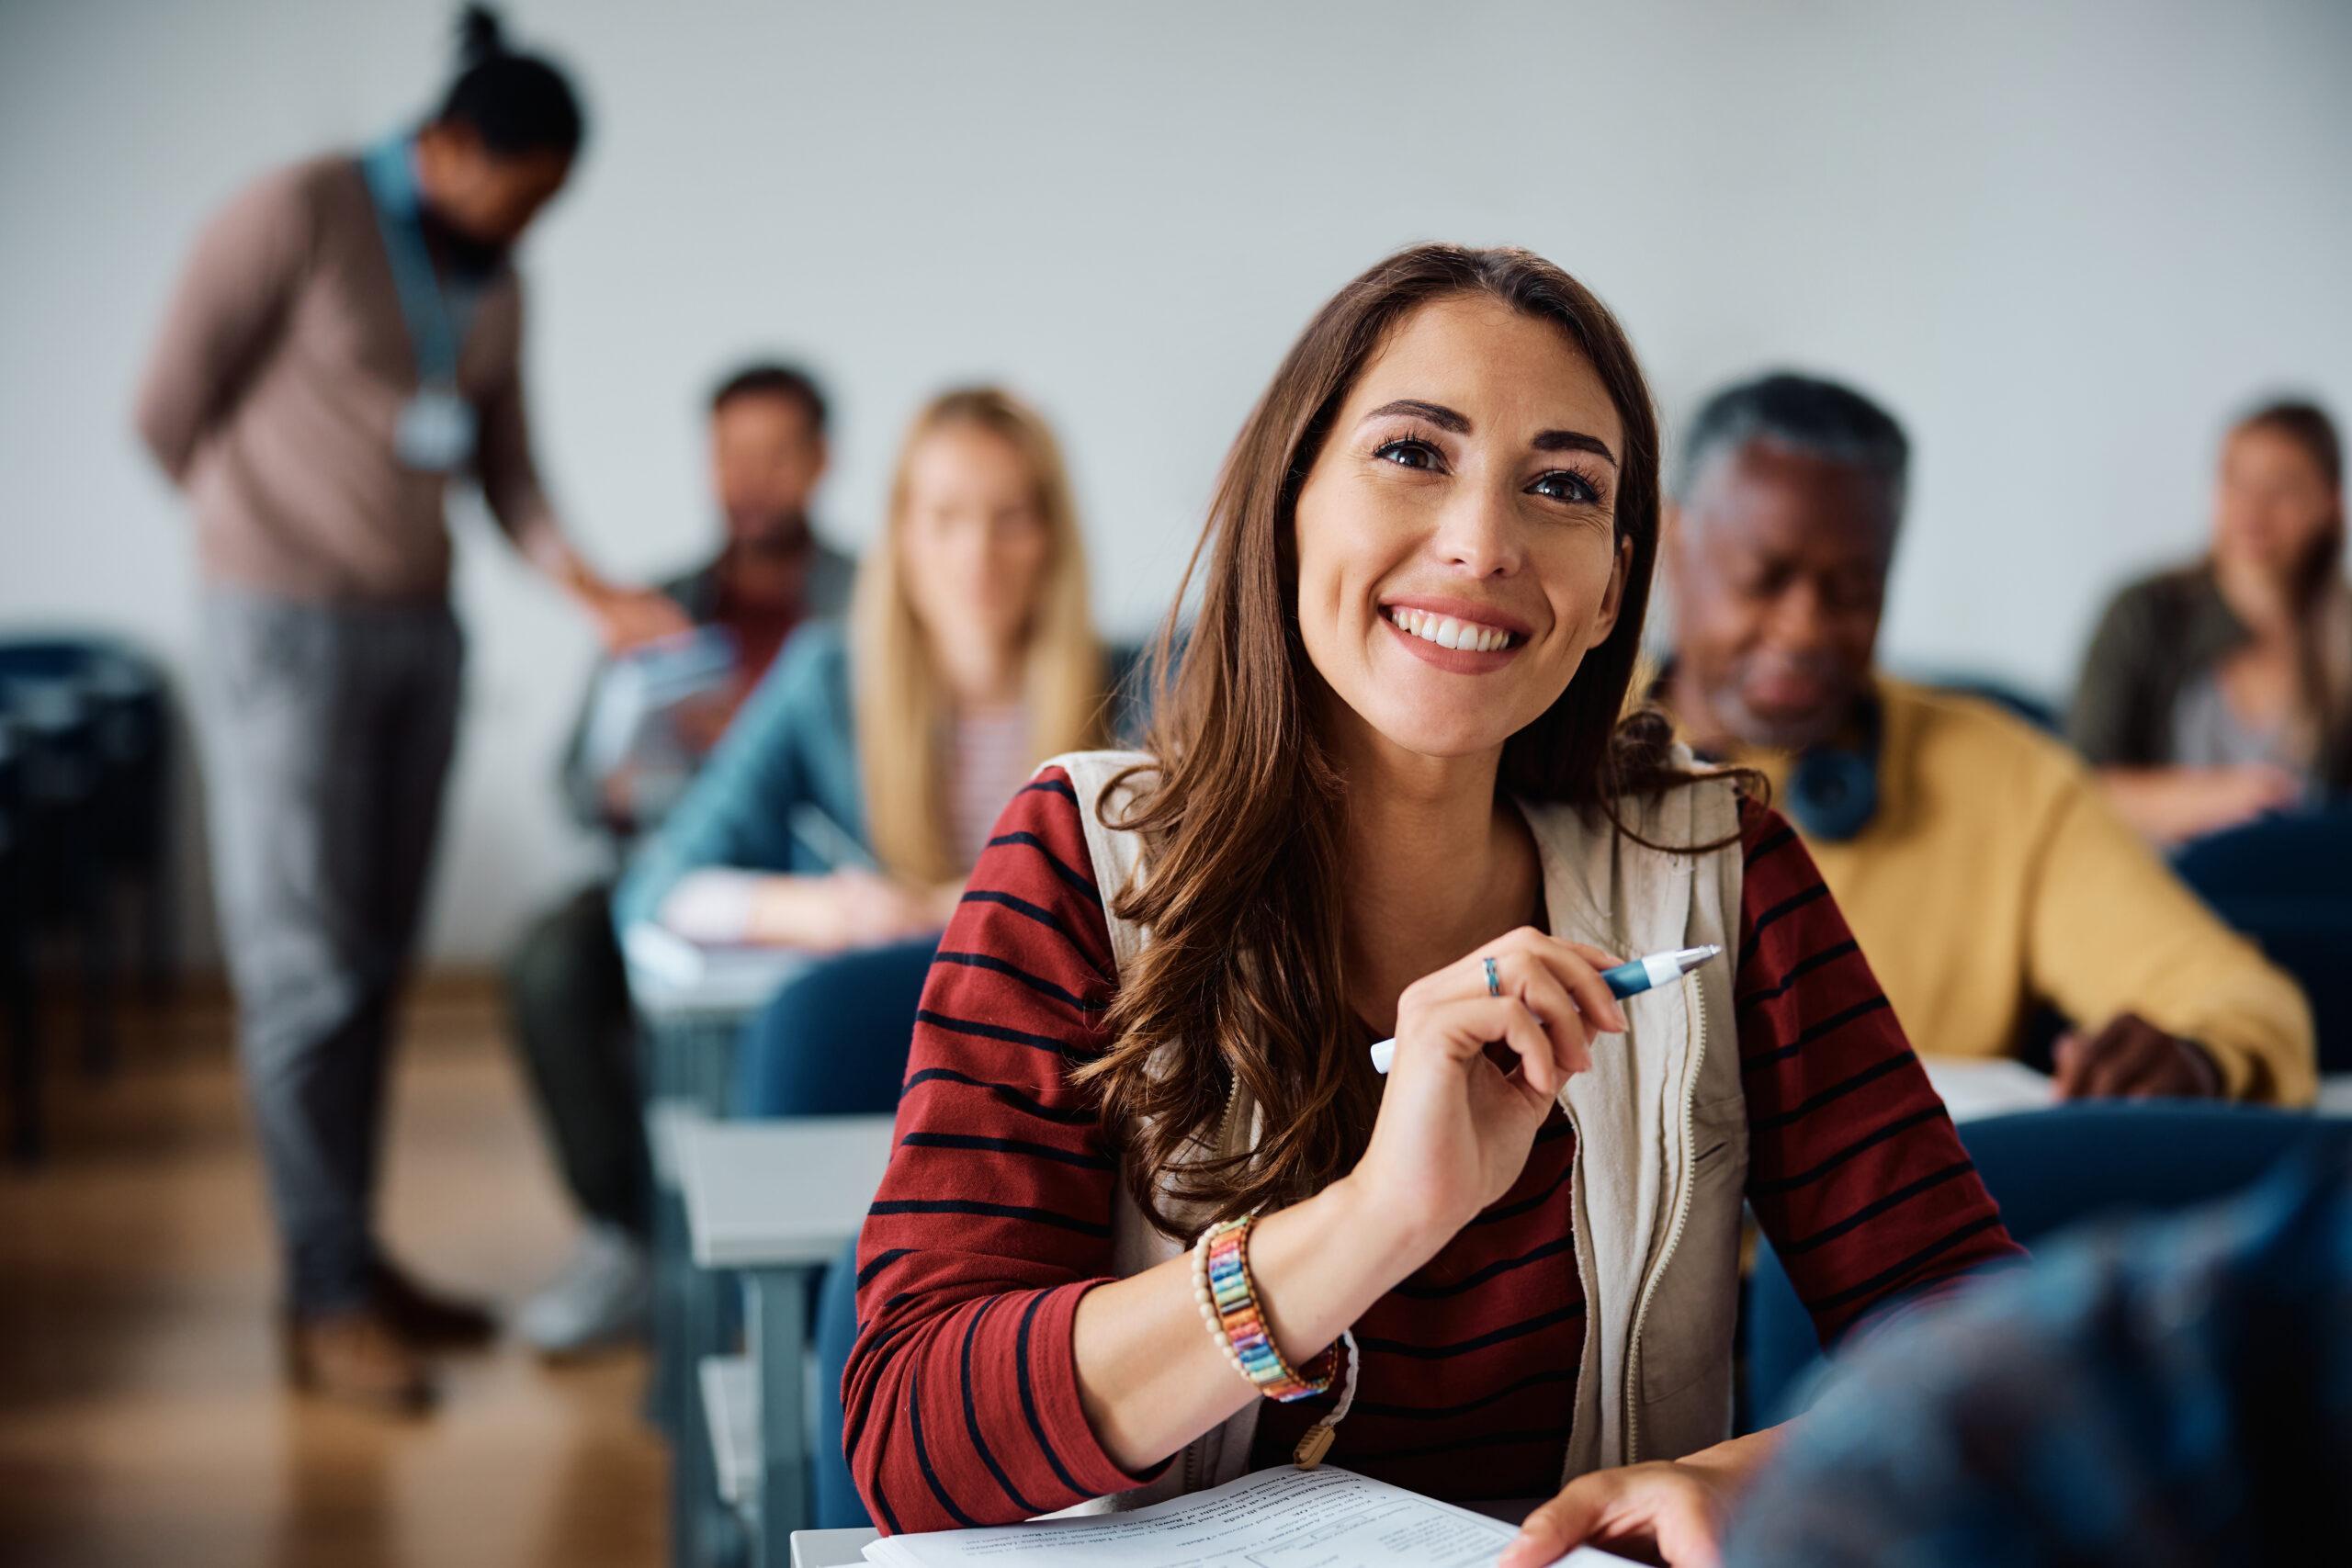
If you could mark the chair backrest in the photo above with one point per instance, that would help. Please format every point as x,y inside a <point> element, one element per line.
<point>2048,1170</point>
<point>2286,882</point>
<point>833,1494</point>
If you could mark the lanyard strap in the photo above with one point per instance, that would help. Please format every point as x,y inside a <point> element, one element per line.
<point>436,312</point>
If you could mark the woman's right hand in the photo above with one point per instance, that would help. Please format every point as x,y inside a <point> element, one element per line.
<point>1455,1128</point>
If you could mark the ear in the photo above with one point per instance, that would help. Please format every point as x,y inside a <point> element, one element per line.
<point>1612,598</point>
<point>824,457</point>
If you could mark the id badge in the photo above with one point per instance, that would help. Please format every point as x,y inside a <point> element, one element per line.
<point>436,432</point>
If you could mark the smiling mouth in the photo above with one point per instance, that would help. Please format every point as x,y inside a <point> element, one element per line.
<point>1448,631</point>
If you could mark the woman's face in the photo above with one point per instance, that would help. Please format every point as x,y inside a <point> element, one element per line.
<point>1457,550</point>
<point>973,543</point>
<point>2272,506</point>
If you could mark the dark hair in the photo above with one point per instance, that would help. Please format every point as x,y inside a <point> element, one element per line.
<point>1805,413</point>
<point>517,103</point>
<point>2306,425</point>
<point>774,379</point>
<point>1242,806</point>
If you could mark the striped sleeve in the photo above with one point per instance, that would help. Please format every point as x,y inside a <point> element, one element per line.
<point>960,1398</point>
<point>1854,1170</point>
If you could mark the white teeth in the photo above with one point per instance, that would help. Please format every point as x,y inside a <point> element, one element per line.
<point>1447,632</point>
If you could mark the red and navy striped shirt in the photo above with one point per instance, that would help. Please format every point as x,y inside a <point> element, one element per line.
<point>961,1395</point>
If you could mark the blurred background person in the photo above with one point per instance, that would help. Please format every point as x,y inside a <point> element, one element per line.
<point>2219,690</point>
<point>845,803</point>
<point>345,339</point>
<point>969,656</point>
<point>567,989</point>
<point>1979,866</point>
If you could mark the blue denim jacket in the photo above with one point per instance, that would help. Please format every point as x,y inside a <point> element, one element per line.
<point>794,741</point>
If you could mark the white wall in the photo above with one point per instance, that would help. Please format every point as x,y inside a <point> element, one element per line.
<point>2062,241</point>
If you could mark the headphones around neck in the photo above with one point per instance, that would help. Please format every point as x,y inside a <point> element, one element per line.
<point>1832,791</point>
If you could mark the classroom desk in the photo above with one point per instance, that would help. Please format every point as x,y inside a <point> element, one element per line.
<point>692,1002</point>
<point>1979,1086</point>
<point>773,1201</point>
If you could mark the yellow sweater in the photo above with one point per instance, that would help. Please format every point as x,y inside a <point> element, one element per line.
<point>1994,878</point>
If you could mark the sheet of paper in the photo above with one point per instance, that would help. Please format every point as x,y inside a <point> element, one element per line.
<point>1279,1518</point>
<point>1974,1087</point>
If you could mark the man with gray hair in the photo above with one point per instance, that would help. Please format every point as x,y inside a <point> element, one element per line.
<point>1980,869</point>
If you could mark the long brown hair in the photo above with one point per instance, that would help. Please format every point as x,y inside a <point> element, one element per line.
<point>1241,987</point>
<point>905,717</point>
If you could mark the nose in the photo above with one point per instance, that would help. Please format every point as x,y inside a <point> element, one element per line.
<point>1478,534</point>
<point>1799,619</point>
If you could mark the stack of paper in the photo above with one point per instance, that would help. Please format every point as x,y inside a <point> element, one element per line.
<point>1282,1518</point>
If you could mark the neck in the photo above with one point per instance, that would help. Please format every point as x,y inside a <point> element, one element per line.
<point>1695,717</point>
<point>1434,863</point>
<point>980,671</point>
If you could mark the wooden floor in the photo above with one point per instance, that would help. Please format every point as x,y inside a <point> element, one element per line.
<point>140,1416</point>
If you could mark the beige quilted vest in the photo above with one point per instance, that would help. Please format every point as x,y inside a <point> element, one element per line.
<point>1661,1130</point>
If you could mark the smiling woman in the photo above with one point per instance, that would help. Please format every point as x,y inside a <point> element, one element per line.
<point>1391,791</point>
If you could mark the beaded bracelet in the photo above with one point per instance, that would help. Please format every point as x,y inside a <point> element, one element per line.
<point>1228,1301</point>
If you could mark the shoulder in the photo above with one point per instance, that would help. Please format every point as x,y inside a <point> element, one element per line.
<point>809,678</point>
<point>1086,776</point>
<point>1945,735</point>
<point>2157,605</point>
<point>287,204</point>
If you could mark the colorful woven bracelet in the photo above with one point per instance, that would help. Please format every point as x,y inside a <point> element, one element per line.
<point>1228,1301</point>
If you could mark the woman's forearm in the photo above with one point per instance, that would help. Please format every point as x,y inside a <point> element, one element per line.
<point>1152,1377</point>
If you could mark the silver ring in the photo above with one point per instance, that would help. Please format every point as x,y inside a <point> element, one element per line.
<point>1493,979</point>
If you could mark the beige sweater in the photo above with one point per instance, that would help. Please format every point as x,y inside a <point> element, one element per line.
<point>275,385</point>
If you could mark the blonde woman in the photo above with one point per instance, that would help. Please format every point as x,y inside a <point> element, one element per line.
<point>857,786</point>
<point>858,782</point>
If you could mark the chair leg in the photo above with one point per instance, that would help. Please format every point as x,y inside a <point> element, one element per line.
<point>97,945</point>
<point>26,1139</point>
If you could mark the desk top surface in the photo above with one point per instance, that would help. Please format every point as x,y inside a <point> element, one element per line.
<point>768,1194</point>
<point>670,977</point>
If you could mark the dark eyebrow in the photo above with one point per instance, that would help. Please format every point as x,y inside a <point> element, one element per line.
<point>1448,419</point>
<point>1436,414</point>
<point>1575,441</point>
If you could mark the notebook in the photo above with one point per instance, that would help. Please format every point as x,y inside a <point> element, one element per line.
<point>1279,1518</point>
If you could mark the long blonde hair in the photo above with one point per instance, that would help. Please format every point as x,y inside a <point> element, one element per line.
<point>905,713</point>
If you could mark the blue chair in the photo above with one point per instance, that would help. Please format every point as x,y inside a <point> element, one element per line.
<point>2286,882</point>
<point>2050,1169</point>
<point>833,1496</point>
<point>833,1042</point>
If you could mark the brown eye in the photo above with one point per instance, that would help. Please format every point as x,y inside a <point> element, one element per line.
<point>1567,484</point>
<point>1407,454</point>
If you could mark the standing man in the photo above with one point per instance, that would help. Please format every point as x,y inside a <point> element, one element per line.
<point>345,338</point>
<point>566,986</point>
<point>1984,872</point>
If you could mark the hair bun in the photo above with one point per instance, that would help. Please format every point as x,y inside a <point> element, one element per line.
<point>480,35</point>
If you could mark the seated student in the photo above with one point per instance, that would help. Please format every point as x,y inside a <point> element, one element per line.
<point>565,985</point>
<point>2172,1392</point>
<point>1390,794</point>
<point>1985,873</point>
<point>970,655</point>
<point>2219,690</point>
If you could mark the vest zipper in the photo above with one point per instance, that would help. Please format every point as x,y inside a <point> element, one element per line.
<point>1697,1014</point>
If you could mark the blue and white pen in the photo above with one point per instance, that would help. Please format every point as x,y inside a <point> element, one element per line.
<point>1629,979</point>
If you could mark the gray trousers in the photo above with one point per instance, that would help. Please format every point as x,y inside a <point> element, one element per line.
<point>327,734</point>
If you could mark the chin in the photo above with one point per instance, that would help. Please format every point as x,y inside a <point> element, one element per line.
<point>1430,731</point>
